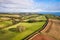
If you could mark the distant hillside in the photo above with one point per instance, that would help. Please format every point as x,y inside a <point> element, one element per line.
<point>54,13</point>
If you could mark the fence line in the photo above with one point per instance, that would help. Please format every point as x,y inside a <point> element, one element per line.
<point>37,31</point>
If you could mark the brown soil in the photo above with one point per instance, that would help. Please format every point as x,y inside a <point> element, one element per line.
<point>41,37</point>
<point>52,29</point>
<point>50,32</point>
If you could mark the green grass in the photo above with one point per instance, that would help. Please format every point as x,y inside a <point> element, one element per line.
<point>40,18</point>
<point>30,28</point>
<point>7,36</point>
<point>5,23</point>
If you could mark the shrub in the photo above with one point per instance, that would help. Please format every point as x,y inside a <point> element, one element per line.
<point>2,31</point>
<point>20,28</point>
<point>13,29</point>
<point>31,21</point>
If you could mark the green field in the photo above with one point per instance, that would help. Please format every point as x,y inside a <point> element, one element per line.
<point>7,34</point>
<point>4,24</point>
<point>31,27</point>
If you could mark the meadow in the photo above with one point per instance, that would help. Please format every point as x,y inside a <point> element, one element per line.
<point>21,29</point>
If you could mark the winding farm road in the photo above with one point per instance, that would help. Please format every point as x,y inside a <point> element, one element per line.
<point>50,32</point>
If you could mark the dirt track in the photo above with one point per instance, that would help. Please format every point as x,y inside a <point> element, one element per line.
<point>52,29</point>
<point>41,37</point>
<point>50,32</point>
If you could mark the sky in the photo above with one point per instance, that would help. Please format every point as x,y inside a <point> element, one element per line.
<point>29,5</point>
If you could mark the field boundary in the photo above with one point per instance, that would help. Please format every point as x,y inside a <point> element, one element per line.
<point>37,31</point>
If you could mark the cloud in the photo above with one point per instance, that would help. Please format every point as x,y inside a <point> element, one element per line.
<point>27,6</point>
<point>16,5</point>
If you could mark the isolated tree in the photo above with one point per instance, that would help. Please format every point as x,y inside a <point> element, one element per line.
<point>20,28</point>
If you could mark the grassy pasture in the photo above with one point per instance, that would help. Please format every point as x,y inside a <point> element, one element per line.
<point>5,23</point>
<point>30,28</point>
<point>6,34</point>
